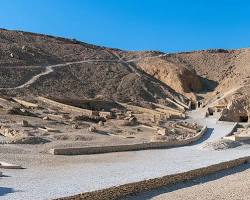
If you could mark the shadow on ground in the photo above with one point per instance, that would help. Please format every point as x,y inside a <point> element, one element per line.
<point>205,137</point>
<point>167,189</point>
<point>5,190</point>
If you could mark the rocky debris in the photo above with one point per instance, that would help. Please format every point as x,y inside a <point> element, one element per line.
<point>163,138</point>
<point>138,130</point>
<point>75,126</point>
<point>130,121</point>
<point>29,140</point>
<point>74,137</point>
<point>19,111</point>
<point>86,118</point>
<point>129,113</point>
<point>101,123</point>
<point>61,137</point>
<point>195,125</point>
<point>82,138</point>
<point>92,128</point>
<point>11,133</point>
<point>193,128</point>
<point>221,144</point>
<point>162,131</point>
<point>159,122</point>
<point>122,122</point>
<point>174,131</point>
<point>48,129</point>
<point>65,116</point>
<point>237,109</point>
<point>106,115</point>
<point>25,123</point>
<point>46,118</point>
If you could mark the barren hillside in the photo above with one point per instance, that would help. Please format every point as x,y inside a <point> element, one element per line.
<point>44,65</point>
<point>38,64</point>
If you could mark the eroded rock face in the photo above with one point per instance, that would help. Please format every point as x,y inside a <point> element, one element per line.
<point>237,109</point>
<point>177,77</point>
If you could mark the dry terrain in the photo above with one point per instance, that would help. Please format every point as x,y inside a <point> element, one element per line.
<point>66,94</point>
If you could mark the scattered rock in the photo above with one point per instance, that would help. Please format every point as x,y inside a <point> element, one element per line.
<point>24,123</point>
<point>162,138</point>
<point>133,121</point>
<point>46,118</point>
<point>74,126</point>
<point>19,111</point>
<point>221,144</point>
<point>174,131</point>
<point>162,131</point>
<point>82,137</point>
<point>94,119</point>
<point>48,129</point>
<point>101,123</point>
<point>138,130</point>
<point>61,137</point>
<point>30,140</point>
<point>92,129</point>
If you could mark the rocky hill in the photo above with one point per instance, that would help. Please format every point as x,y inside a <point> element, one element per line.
<point>35,64</point>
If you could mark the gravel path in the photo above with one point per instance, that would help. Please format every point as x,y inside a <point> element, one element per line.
<point>50,176</point>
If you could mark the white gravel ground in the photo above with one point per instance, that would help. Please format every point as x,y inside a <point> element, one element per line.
<point>47,176</point>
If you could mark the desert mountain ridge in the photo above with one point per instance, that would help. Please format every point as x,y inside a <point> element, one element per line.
<point>37,64</point>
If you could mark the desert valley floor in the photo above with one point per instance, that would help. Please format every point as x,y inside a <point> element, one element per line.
<point>79,121</point>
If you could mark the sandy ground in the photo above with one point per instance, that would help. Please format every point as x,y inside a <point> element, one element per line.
<point>233,184</point>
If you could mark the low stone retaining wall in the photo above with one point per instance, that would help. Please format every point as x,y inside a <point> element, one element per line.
<point>130,147</point>
<point>68,108</point>
<point>25,103</point>
<point>115,193</point>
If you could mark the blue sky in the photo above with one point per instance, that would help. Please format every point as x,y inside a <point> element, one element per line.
<point>165,25</point>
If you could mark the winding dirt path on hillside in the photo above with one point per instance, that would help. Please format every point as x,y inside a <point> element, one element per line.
<point>50,68</point>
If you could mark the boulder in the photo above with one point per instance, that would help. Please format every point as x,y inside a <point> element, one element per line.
<point>162,131</point>
<point>74,126</point>
<point>92,129</point>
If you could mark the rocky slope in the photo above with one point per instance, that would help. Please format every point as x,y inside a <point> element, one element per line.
<point>35,64</point>
<point>38,64</point>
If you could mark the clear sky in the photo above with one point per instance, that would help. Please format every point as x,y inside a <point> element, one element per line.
<point>165,25</point>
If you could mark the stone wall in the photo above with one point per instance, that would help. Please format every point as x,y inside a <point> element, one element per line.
<point>131,147</point>
<point>68,108</point>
